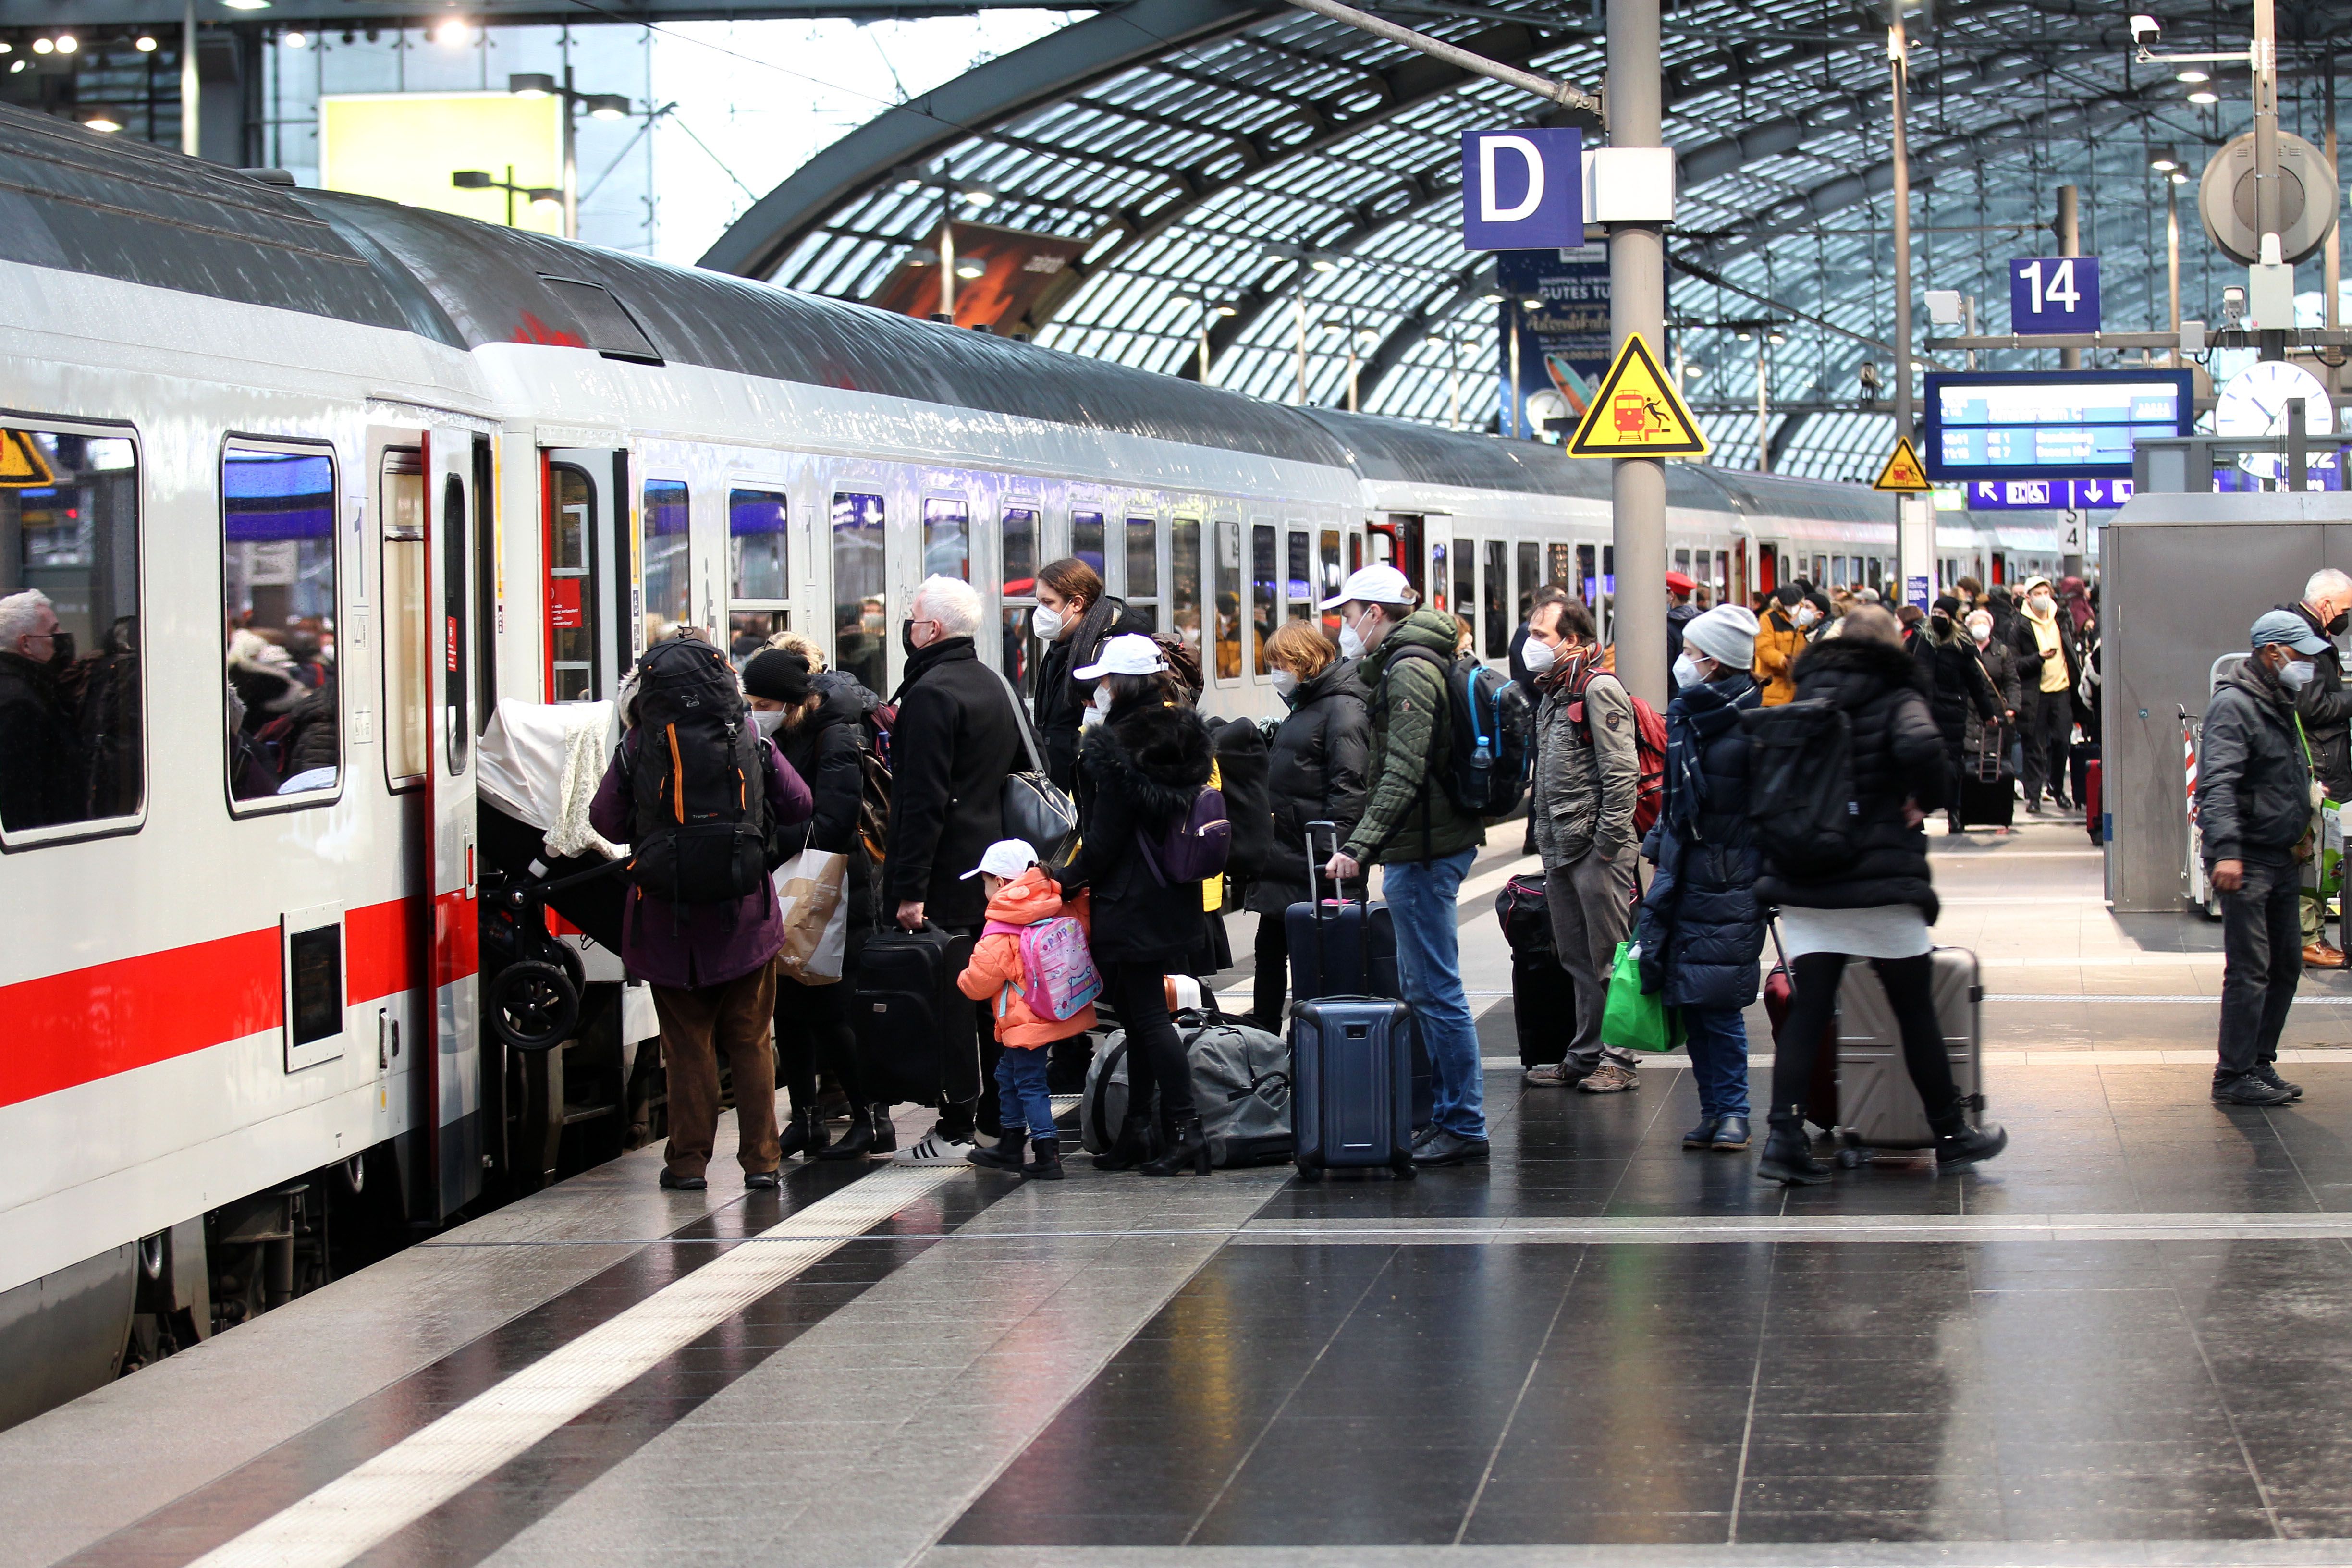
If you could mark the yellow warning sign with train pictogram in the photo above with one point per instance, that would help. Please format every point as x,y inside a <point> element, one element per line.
<point>1636,413</point>
<point>22,464</point>
<point>1904,471</point>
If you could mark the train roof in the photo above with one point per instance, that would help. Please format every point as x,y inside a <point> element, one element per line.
<point>80,202</point>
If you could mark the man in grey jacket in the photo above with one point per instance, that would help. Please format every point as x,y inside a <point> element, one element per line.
<point>1587,775</point>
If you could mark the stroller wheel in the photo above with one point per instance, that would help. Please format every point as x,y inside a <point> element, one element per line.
<point>532,1007</point>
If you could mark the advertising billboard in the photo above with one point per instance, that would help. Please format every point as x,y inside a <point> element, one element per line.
<point>404,146</point>
<point>1015,269</point>
<point>1563,340</point>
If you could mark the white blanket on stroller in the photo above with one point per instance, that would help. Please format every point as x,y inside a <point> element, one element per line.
<point>540,763</point>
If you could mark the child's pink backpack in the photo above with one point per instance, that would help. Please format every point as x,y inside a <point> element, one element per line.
<point>1058,972</point>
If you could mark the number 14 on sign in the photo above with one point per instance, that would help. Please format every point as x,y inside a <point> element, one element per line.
<point>2054,294</point>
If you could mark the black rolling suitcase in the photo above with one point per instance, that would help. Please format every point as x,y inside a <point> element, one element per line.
<point>1362,962</point>
<point>1543,997</point>
<point>907,1014</point>
<point>1351,1054</point>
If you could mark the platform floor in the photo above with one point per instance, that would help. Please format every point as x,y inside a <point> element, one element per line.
<point>2122,1342</point>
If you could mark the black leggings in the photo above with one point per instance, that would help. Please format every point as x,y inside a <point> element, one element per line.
<point>813,1035</point>
<point>1908,990</point>
<point>1272,981</point>
<point>1155,1052</point>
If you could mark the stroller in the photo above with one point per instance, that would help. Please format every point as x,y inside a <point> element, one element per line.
<point>536,766</point>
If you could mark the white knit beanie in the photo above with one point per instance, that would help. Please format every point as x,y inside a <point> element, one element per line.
<point>1726,634</point>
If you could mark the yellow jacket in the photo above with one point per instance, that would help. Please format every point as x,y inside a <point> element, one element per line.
<point>1778,644</point>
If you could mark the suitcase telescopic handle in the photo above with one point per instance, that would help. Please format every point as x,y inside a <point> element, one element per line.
<point>1315,892</point>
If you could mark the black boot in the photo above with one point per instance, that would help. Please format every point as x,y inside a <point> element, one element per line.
<point>1044,1160</point>
<point>1133,1147</point>
<point>1004,1155</point>
<point>1189,1148</point>
<point>859,1141</point>
<point>1958,1144</point>
<point>804,1134</point>
<point>885,1131</point>
<point>1788,1154</point>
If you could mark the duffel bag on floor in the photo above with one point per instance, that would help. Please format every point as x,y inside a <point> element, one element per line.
<point>1241,1087</point>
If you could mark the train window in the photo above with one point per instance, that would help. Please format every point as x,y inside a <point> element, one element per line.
<point>1587,577</point>
<point>1266,599</point>
<point>1874,572</point>
<point>400,507</point>
<point>489,613</point>
<point>1143,570</point>
<point>1298,567</point>
<point>457,728</point>
<point>1355,555</point>
<point>1086,539</point>
<point>1498,599</point>
<point>1722,576</point>
<point>1228,591</point>
<point>1466,576</point>
<point>1530,556</point>
<point>1331,579</point>
<point>947,539</point>
<point>758,574</point>
<point>1682,561</point>
<point>278,590</point>
<point>70,606</point>
<point>1558,571</point>
<point>572,595</point>
<point>861,591</point>
<point>1184,580</point>
<point>669,584</point>
<point>1019,591</point>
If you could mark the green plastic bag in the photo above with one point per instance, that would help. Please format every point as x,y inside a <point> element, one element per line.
<point>1633,1021</point>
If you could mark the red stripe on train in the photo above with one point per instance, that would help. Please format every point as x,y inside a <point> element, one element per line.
<point>88,1023</point>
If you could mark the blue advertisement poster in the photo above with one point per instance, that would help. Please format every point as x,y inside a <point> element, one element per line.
<point>1563,340</point>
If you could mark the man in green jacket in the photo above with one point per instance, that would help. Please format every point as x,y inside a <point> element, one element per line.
<point>1411,826</point>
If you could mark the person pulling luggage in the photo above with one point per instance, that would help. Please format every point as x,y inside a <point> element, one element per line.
<point>1138,772</point>
<point>1699,927</point>
<point>1874,897</point>
<point>701,924</point>
<point>1030,1014</point>
<point>2256,795</point>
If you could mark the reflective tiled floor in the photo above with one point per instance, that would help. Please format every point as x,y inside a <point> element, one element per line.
<point>2124,1342</point>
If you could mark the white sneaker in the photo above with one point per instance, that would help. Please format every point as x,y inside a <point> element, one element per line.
<point>934,1149</point>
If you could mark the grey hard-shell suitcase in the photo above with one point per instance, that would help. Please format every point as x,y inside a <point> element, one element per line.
<point>1351,1064</point>
<point>1877,1106</point>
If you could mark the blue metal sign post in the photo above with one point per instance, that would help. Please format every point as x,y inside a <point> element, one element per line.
<point>2053,294</point>
<point>1522,190</point>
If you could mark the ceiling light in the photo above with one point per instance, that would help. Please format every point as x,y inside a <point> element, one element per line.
<point>145,43</point>
<point>471,179</point>
<point>2204,98</point>
<point>1228,310</point>
<point>970,269</point>
<point>246,5</point>
<point>608,106</point>
<point>42,45</point>
<point>976,195</point>
<point>546,195</point>
<point>531,84</point>
<point>16,66</point>
<point>295,41</point>
<point>1778,338</point>
<point>103,122</point>
<point>68,43</point>
<point>908,186</point>
<point>1531,304</point>
<point>453,32</point>
<point>1493,298</point>
<point>1743,335</point>
<point>2178,178</point>
<point>6,47</point>
<point>2193,74</point>
<point>1324,264</point>
<point>2163,161</point>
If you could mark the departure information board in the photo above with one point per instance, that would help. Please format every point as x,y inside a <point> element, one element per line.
<point>2048,425</point>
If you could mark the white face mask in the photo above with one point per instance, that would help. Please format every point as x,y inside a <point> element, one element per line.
<point>1352,642</point>
<point>2297,674</point>
<point>1981,631</point>
<point>1685,672</point>
<point>1538,657</point>
<point>1046,623</point>
<point>2042,603</point>
<point>1805,615</point>
<point>1100,707</point>
<point>1286,684</point>
<point>768,721</point>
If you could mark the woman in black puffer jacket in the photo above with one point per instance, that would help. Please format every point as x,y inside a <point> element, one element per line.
<point>1138,772</point>
<point>1315,772</point>
<point>1962,698</point>
<point>1879,905</point>
<point>818,726</point>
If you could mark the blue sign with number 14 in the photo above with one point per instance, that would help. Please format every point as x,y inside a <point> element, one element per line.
<point>2054,294</point>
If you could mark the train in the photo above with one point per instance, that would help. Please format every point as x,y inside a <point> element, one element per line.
<point>313,487</point>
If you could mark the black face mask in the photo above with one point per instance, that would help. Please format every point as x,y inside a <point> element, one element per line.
<point>907,639</point>
<point>61,649</point>
<point>2336,627</point>
<point>1943,623</point>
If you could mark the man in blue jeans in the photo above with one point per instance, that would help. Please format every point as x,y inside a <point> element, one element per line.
<point>1411,826</point>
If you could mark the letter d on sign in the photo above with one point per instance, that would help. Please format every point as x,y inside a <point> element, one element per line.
<point>1522,189</point>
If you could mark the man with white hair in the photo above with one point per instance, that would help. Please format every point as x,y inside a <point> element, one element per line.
<point>2325,706</point>
<point>956,742</point>
<point>39,767</point>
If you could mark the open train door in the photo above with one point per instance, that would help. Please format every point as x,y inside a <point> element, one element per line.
<point>456,1136</point>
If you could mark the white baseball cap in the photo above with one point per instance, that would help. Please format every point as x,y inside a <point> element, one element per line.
<point>1130,653</point>
<point>1007,857</point>
<point>1372,585</point>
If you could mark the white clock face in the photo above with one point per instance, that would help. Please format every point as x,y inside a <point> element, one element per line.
<point>2254,401</point>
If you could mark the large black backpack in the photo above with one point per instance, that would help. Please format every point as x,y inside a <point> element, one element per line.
<point>1486,734</point>
<point>1800,793</point>
<point>696,778</point>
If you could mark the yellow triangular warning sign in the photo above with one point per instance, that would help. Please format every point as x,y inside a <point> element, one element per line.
<point>21,462</point>
<point>1636,413</point>
<point>1904,471</point>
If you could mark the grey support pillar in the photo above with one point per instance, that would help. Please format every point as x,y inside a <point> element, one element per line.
<point>1637,303</point>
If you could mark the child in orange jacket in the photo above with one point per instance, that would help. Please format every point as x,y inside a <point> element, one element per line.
<point>1019,894</point>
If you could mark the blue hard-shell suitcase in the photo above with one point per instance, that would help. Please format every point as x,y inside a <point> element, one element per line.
<point>1351,1061</point>
<point>1360,935</point>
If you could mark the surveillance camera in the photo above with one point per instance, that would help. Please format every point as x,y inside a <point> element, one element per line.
<point>2144,29</point>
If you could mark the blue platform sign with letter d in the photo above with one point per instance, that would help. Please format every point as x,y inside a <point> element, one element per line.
<point>2053,294</point>
<point>1522,190</point>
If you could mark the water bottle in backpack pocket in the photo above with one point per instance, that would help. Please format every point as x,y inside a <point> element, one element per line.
<point>698,780</point>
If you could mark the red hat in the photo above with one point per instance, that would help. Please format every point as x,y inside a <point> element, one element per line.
<point>1680,584</point>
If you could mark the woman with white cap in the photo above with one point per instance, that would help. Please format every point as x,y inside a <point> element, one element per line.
<point>1139,770</point>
